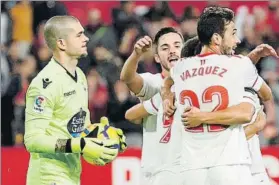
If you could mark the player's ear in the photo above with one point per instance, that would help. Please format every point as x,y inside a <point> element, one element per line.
<point>157,58</point>
<point>61,44</point>
<point>216,39</point>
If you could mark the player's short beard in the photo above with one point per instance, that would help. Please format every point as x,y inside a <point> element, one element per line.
<point>165,66</point>
<point>227,50</point>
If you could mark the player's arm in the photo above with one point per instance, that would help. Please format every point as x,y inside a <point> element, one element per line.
<point>260,51</point>
<point>137,83</point>
<point>39,138</point>
<point>237,114</point>
<point>254,80</point>
<point>144,109</point>
<point>136,113</point>
<point>265,92</point>
<point>258,125</point>
<point>168,96</point>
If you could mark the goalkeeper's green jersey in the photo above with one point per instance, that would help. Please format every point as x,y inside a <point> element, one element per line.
<point>56,108</point>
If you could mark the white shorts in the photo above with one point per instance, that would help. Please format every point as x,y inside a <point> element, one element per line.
<point>261,179</point>
<point>163,178</point>
<point>219,175</point>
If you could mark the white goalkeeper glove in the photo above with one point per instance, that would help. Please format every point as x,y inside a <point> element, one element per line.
<point>101,151</point>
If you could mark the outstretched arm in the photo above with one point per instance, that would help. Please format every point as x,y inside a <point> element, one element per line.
<point>129,73</point>
<point>260,51</point>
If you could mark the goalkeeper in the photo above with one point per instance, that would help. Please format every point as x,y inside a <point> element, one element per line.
<point>57,111</point>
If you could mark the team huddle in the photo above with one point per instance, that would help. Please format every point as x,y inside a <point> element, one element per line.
<point>201,115</point>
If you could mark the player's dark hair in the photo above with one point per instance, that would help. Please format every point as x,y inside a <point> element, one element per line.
<point>213,20</point>
<point>191,47</point>
<point>165,31</point>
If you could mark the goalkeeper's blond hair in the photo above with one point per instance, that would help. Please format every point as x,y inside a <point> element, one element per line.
<point>57,28</point>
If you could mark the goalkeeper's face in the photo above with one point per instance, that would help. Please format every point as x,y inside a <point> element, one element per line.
<point>76,41</point>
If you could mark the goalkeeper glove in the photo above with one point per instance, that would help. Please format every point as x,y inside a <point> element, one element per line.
<point>99,150</point>
<point>122,138</point>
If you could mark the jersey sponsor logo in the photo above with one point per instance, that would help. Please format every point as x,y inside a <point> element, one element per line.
<point>76,124</point>
<point>69,93</point>
<point>39,104</point>
<point>46,82</point>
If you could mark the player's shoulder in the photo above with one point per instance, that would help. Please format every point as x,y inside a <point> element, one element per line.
<point>151,76</point>
<point>240,58</point>
<point>46,79</point>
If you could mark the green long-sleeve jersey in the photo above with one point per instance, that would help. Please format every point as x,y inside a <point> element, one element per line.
<point>56,108</point>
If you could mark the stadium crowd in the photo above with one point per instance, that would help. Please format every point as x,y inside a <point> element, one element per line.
<point>24,53</point>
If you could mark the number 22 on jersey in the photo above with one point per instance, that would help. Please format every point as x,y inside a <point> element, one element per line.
<point>207,97</point>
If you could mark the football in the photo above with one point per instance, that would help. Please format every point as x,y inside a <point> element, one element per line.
<point>101,131</point>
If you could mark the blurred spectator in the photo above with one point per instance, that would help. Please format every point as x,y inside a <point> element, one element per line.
<point>27,71</point>
<point>118,105</point>
<point>274,16</point>
<point>43,10</point>
<point>123,17</point>
<point>242,18</point>
<point>160,9</point>
<point>98,33</point>
<point>6,26</point>
<point>39,39</point>
<point>22,18</point>
<point>126,45</point>
<point>11,85</point>
<point>43,56</point>
<point>270,71</point>
<point>98,95</point>
<point>188,22</point>
<point>13,57</point>
<point>108,65</point>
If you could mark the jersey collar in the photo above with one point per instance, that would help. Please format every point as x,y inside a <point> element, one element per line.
<point>206,54</point>
<point>68,73</point>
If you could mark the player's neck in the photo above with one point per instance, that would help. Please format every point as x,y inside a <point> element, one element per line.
<point>67,62</point>
<point>165,73</point>
<point>210,49</point>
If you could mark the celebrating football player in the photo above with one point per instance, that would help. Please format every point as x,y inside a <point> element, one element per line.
<point>213,81</point>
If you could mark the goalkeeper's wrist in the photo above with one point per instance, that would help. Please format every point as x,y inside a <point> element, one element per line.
<point>75,145</point>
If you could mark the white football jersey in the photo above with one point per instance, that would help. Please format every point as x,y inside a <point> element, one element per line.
<point>151,85</point>
<point>166,148</point>
<point>213,82</point>
<point>257,165</point>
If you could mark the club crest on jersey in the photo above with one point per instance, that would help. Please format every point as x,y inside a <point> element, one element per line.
<point>39,104</point>
<point>76,124</point>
